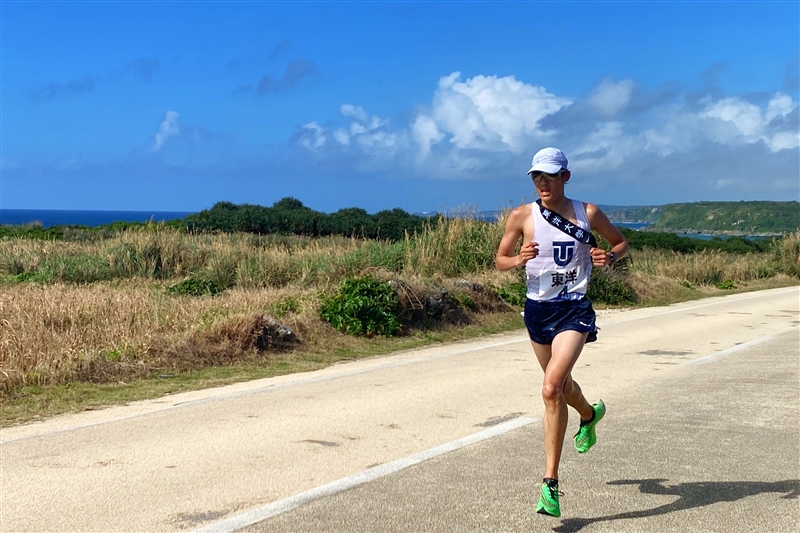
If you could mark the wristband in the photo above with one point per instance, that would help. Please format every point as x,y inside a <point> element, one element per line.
<point>613,257</point>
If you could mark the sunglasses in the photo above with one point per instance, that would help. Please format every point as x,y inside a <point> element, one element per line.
<point>539,176</point>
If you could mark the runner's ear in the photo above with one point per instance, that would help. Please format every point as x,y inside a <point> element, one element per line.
<point>567,175</point>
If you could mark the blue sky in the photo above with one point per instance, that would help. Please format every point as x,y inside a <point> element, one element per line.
<point>424,106</point>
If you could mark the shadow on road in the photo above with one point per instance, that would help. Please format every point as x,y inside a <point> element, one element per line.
<point>689,495</point>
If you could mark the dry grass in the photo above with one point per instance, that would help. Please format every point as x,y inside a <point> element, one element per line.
<point>98,332</point>
<point>704,268</point>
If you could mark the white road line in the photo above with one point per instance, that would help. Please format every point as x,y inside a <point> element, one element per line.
<point>259,514</point>
<point>731,350</point>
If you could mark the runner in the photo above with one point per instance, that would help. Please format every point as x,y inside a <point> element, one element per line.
<point>558,252</point>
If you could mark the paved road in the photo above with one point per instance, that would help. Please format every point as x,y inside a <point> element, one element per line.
<point>702,435</point>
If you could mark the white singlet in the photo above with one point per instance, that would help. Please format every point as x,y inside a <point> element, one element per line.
<point>561,270</point>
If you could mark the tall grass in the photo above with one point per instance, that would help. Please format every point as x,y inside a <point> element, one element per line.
<point>787,255</point>
<point>704,268</point>
<point>452,248</point>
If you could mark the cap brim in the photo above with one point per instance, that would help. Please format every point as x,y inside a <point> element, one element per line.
<point>545,167</point>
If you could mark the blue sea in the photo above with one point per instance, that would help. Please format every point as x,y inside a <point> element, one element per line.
<point>57,217</point>
<point>701,236</point>
<point>632,225</point>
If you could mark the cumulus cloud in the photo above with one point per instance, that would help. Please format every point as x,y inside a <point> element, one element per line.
<point>312,136</point>
<point>426,132</point>
<point>610,97</point>
<point>489,112</point>
<point>736,121</point>
<point>169,127</point>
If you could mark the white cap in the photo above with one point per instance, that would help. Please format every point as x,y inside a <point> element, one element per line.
<point>550,160</point>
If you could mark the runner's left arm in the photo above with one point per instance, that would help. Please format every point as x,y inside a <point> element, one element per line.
<point>599,222</point>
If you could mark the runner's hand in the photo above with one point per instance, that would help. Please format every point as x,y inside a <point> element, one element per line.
<point>600,257</point>
<point>527,252</point>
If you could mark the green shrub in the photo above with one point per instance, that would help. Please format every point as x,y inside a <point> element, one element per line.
<point>195,287</point>
<point>285,306</point>
<point>125,260</point>
<point>363,306</point>
<point>83,268</point>
<point>513,293</point>
<point>31,276</point>
<point>465,300</point>
<point>728,284</point>
<point>610,287</point>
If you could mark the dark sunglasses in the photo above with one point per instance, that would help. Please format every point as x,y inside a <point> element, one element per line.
<point>539,176</point>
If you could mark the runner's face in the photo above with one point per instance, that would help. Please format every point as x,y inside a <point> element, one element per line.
<point>551,190</point>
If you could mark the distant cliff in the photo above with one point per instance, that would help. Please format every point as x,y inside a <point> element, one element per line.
<point>723,217</point>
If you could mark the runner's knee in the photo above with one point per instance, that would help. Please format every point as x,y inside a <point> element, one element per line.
<point>552,391</point>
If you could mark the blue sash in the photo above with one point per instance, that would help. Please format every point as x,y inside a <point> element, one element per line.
<point>562,223</point>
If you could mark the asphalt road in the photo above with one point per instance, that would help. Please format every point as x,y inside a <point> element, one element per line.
<point>702,434</point>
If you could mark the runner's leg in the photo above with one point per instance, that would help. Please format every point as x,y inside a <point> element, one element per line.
<point>572,391</point>
<point>564,352</point>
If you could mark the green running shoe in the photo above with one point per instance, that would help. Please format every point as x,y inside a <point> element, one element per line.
<point>548,501</point>
<point>586,435</point>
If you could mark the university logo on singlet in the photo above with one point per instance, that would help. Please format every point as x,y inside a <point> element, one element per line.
<point>563,252</point>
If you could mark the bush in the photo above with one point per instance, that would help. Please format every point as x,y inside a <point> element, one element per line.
<point>363,306</point>
<point>195,287</point>
<point>83,268</point>
<point>610,287</point>
<point>513,293</point>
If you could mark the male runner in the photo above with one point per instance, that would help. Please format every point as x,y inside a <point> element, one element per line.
<point>559,317</point>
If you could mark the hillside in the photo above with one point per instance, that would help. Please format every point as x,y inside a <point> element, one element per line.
<point>729,217</point>
<point>643,213</point>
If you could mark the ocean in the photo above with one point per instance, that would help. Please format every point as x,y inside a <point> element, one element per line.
<point>58,217</point>
<point>632,225</point>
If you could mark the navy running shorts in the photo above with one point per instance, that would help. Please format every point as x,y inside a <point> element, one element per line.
<point>546,319</point>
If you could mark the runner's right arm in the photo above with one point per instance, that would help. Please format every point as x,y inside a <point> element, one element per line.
<point>506,259</point>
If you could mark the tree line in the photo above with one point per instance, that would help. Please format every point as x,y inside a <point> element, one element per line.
<point>290,216</point>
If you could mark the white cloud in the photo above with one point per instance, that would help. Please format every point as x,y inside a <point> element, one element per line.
<point>491,113</point>
<point>425,133</point>
<point>784,140</point>
<point>605,148</point>
<point>779,106</point>
<point>742,122</point>
<point>169,127</point>
<point>341,136</point>
<point>313,136</point>
<point>744,116</point>
<point>356,112</point>
<point>610,98</point>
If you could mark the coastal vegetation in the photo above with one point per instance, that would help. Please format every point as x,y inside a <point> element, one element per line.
<point>743,218</point>
<point>143,309</point>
